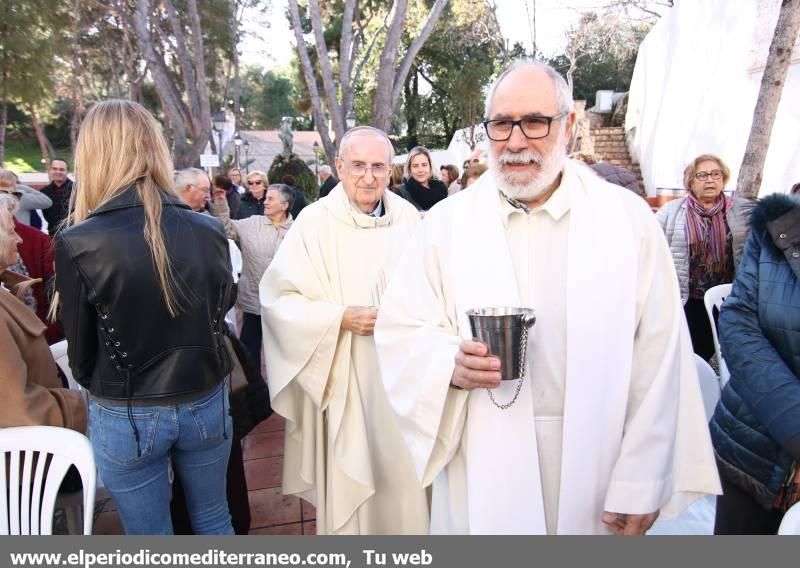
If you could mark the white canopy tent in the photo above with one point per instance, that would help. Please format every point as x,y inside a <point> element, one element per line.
<point>694,89</point>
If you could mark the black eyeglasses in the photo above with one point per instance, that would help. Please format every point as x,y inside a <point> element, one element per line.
<point>17,194</point>
<point>254,182</point>
<point>532,127</point>
<point>713,174</point>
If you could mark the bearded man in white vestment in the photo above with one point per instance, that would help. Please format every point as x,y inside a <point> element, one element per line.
<point>320,298</point>
<point>608,428</point>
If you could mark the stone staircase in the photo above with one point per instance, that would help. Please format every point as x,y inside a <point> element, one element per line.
<point>610,146</point>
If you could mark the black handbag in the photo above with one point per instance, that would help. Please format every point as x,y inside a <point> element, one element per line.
<point>249,398</point>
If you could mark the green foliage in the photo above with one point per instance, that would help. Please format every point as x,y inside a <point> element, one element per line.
<point>267,96</point>
<point>457,63</point>
<point>305,180</point>
<point>22,155</point>
<point>31,33</point>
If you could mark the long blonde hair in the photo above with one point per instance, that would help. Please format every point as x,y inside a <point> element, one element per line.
<point>120,144</point>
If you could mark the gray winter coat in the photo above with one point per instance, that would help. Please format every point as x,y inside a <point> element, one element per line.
<point>672,218</point>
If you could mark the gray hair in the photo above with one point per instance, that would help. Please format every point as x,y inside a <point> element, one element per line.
<point>8,176</point>
<point>188,177</point>
<point>285,193</point>
<point>325,169</point>
<point>361,130</point>
<point>563,96</point>
<point>9,203</point>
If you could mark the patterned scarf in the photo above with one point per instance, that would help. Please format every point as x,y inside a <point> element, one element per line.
<point>706,231</point>
<point>21,268</point>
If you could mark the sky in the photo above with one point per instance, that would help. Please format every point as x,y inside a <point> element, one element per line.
<point>272,48</point>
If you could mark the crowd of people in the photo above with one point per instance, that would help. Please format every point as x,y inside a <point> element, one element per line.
<point>397,419</point>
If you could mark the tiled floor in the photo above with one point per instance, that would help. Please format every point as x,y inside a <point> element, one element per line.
<point>271,512</point>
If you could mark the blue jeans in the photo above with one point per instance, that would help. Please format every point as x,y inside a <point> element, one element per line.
<point>192,434</point>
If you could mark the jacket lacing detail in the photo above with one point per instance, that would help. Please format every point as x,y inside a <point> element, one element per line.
<point>218,324</point>
<point>118,357</point>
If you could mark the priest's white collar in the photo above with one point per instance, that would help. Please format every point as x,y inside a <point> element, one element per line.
<point>557,206</point>
<point>377,212</point>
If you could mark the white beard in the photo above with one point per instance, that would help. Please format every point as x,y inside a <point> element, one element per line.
<point>521,186</point>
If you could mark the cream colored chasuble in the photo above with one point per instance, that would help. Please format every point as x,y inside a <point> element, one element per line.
<point>343,453</point>
<point>609,353</point>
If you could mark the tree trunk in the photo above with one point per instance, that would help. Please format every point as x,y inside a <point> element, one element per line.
<point>313,90</point>
<point>190,79</point>
<point>347,50</point>
<point>202,126</point>
<point>413,49</point>
<point>411,89</point>
<point>40,136</point>
<point>192,121</point>
<point>237,79</point>
<point>4,95</point>
<point>4,112</point>
<point>778,60</point>
<point>328,84</point>
<point>382,109</point>
<point>390,77</point>
<point>75,87</point>
<point>158,71</point>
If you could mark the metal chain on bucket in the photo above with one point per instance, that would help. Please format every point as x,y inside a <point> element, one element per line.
<point>523,348</point>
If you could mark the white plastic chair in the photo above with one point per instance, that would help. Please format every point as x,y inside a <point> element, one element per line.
<point>714,299</point>
<point>791,521</point>
<point>71,502</point>
<point>35,461</point>
<point>709,385</point>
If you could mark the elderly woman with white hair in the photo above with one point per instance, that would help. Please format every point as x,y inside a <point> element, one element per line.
<point>31,392</point>
<point>259,238</point>
<point>36,260</point>
<point>29,199</point>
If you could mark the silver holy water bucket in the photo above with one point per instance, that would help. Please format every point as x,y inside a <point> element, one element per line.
<point>505,332</point>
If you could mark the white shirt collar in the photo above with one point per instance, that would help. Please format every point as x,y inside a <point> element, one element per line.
<point>556,206</point>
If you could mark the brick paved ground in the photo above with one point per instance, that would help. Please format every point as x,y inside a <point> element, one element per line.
<point>271,512</point>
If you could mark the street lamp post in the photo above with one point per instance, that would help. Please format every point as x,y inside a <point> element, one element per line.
<point>350,119</point>
<point>218,124</point>
<point>316,159</point>
<point>237,142</point>
<point>246,157</point>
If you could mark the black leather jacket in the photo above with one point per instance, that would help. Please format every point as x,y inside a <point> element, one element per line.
<point>123,343</point>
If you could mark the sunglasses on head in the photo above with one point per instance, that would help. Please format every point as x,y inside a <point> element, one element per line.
<point>17,194</point>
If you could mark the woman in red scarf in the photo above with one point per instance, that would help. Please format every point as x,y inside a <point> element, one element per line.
<point>706,231</point>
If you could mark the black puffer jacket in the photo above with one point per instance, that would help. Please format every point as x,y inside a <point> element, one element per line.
<point>618,176</point>
<point>756,426</point>
<point>249,206</point>
<point>123,343</point>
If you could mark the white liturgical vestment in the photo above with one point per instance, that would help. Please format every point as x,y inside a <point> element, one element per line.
<point>609,416</point>
<point>343,448</point>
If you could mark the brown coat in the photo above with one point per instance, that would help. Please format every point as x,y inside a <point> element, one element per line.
<point>31,391</point>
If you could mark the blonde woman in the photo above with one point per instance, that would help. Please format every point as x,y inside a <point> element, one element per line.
<point>252,202</point>
<point>144,285</point>
<point>421,189</point>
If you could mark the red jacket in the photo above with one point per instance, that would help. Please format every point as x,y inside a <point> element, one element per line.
<point>36,251</point>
